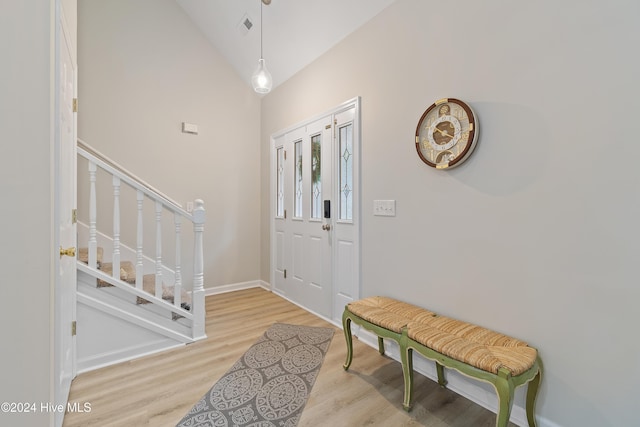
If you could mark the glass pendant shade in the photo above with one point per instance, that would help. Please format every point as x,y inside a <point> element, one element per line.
<point>261,79</point>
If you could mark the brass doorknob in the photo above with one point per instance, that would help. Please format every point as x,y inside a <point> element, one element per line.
<point>326,227</point>
<point>68,252</point>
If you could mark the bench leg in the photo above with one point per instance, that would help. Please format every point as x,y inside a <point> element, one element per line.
<point>381,345</point>
<point>406,357</point>
<point>441,380</point>
<point>532,394</point>
<point>505,388</point>
<point>346,326</point>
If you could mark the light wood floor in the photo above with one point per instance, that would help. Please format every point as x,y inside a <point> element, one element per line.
<point>159,390</point>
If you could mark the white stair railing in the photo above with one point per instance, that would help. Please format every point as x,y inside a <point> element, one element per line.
<point>120,176</point>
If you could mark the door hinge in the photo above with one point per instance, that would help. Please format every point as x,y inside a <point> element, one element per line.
<point>285,154</point>
<point>74,216</point>
<point>285,214</point>
<point>75,105</point>
<point>73,328</point>
<point>285,273</point>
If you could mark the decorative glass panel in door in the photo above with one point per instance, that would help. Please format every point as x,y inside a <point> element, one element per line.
<point>345,142</point>
<point>316,176</point>
<point>280,182</point>
<point>297,200</point>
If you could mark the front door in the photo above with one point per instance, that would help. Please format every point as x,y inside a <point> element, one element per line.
<point>65,188</point>
<point>315,211</point>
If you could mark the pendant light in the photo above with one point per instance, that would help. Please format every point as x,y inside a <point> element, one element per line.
<point>261,78</point>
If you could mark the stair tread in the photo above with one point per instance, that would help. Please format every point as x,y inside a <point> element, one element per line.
<point>83,255</point>
<point>149,286</point>
<point>127,272</point>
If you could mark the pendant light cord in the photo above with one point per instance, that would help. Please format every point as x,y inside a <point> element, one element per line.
<point>261,57</point>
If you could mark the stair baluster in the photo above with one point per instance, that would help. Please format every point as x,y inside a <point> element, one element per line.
<point>177,289</point>
<point>116,228</point>
<point>158,292</point>
<point>139,239</point>
<point>93,241</point>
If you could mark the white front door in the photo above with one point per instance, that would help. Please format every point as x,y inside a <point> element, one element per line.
<point>315,212</point>
<point>65,189</point>
<point>346,229</point>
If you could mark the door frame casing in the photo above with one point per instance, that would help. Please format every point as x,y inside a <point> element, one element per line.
<point>61,322</point>
<point>354,104</point>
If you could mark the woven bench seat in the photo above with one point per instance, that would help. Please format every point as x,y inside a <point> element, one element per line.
<point>475,351</point>
<point>473,345</point>
<point>389,313</point>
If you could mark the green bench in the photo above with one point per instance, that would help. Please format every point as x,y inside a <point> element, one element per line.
<point>480,353</point>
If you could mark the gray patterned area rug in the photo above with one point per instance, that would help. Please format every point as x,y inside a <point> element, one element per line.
<point>269,385</point>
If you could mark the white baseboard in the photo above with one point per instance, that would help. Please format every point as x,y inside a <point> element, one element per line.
<point>281,295</point>
<point>124,355</point>
<point>476,391</point>
<point>236,287</point>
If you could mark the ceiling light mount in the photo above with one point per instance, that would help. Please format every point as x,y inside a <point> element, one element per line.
<point>261,79</point>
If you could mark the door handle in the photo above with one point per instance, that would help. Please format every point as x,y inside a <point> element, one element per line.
<point>326,227</point>
<point>68,252</point>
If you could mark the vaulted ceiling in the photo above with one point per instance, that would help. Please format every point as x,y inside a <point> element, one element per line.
<point>295,32</point>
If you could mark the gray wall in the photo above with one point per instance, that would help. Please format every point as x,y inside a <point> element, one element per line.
<point>144,69</point>
<point>26,217</point>
<point>536,234</point>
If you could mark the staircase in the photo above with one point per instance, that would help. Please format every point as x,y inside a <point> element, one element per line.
<point>128,275</point>
<point>133,299</point>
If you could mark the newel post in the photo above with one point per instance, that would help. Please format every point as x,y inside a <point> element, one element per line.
<point>199,311</point>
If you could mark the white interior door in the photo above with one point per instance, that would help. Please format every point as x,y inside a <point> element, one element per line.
<point>315,238</point>
<point>65,187</point>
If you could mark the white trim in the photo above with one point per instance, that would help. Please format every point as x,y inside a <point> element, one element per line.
<point>355,101</point>
<point>113,168</point>
<point>264,285</point>
<point>476,391</point>
<point>351,104</point>
<point>236,287</point>
<point>120,313</point>
<point>125,355</point>
<point>63,291</point>
<point>281,295</point>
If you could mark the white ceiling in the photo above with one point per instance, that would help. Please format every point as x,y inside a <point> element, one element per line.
<point>295,32</point>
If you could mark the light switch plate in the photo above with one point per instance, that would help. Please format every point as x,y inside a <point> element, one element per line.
<point>189,128</point>
<point>384,207</point>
